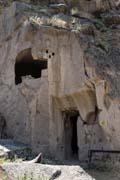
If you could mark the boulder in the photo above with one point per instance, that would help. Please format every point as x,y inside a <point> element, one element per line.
<point>15,171</point>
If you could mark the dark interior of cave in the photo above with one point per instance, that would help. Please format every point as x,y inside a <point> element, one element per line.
<point>74,143</point>
<point>71,140</point>
<point>25,65</point>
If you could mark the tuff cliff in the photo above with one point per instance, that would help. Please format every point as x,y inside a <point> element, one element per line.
<point>80,41</point>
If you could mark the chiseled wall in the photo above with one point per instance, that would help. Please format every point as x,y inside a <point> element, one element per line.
<point>24,106</point>
<point>69,88</point>
<point>74,84</point>
<point>33,109</point>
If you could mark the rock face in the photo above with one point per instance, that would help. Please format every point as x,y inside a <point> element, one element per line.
<point>87,6</point>
<point>94,5</point>
<point>59,76</point>
<point>17,171</point>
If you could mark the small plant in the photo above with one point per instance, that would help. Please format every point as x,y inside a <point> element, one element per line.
<point>4,160</point>
<point>13,159</point>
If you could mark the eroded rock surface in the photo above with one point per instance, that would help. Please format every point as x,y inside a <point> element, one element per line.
<point>80,47</point>
<point>38,171</point>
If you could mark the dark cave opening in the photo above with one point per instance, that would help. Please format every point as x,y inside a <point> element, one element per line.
<point>25,65</point>
<point>71,136</point>
<point>74,139</point>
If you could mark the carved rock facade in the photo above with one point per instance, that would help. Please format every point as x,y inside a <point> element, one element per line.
<point>59,78</point>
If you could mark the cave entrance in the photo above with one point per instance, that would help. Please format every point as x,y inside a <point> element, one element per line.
<point>71,136</point>
<point>25,65</point>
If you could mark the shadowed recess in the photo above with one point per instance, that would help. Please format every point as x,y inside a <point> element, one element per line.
<point>25,65</point>
<point>71,140</point>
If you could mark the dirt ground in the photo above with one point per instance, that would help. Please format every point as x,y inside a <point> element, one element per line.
<point>108,175</point>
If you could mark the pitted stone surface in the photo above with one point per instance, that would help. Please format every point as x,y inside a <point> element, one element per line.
<point>83,74</point>
<point>37,171</point>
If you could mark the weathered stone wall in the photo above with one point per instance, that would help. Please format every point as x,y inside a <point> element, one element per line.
<point>33,110</point>
<point>83,5</point>
<point>73,92</point>
<point>24,106</point>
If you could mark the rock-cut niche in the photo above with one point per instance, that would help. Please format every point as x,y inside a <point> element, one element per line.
<point>25,65</point>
